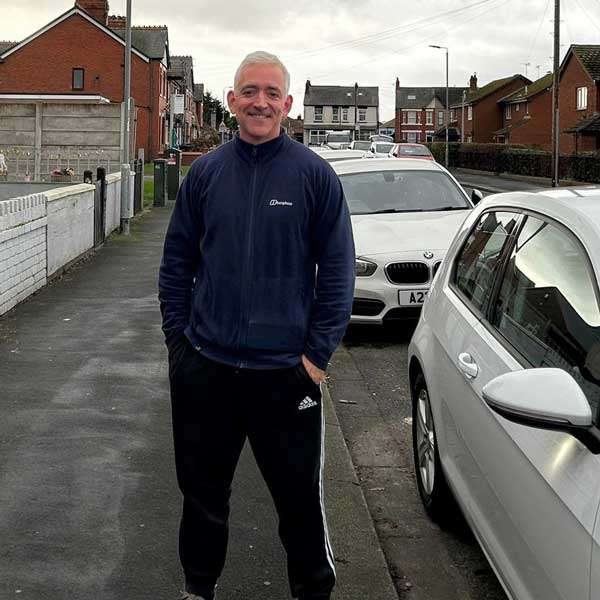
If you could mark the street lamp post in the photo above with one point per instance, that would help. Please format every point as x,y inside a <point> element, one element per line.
<point>447,102</point>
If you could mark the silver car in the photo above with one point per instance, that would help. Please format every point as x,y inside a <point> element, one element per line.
<point>504,369</point>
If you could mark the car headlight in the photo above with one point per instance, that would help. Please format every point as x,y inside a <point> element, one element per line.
<point>364,268</point>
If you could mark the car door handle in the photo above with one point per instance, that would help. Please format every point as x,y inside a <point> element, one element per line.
<point>467,365</point>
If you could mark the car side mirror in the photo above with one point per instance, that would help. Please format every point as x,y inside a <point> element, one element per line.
<point>476,196</point>
<point>544,398</point>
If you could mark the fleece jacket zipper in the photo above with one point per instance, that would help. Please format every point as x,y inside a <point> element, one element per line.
<point>245,297</point>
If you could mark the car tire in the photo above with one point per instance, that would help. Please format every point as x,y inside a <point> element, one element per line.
<point>431,481</point>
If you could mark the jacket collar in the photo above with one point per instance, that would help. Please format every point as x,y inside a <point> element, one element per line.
<point>260,152</point>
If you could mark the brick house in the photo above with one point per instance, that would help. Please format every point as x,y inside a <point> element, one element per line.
<point>79,53</point>
<point>199,98</point>
<point>421,111</point>
<point>334,107</point>
<point>579,100</point>
<point>181,78</point>
<point>294,128</point>
<point>482,117</point>
<point>527,115</point>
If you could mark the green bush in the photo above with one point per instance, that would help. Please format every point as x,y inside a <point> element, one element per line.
<point>518,160</point>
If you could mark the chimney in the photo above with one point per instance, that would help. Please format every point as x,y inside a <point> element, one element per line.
<point>117,22</point>
<point>473,82</point>
<point>95,8</point>
<point>397,83</point>
<point>307,86</point>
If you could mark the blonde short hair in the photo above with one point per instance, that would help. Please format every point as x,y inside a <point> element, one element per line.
<point>264,58</point>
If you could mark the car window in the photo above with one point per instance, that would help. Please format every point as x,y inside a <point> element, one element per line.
<point>547,306</point>
<point>479,258</point>
<point>401,191</point>
<point>361,145</point>
<point>414,150</point>
<point>383,148</point>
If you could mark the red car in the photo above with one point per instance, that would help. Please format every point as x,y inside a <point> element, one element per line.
<point>411,151</point>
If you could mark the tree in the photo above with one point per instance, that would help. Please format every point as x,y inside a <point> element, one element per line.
<point>214,104</point>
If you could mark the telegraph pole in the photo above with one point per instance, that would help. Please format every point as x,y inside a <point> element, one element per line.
<point>125,167</point>
<point>555,96</point>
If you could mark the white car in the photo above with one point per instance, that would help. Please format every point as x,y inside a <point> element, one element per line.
<point>380,149</point>
<point>337,155</point>
<point>404,214</point>
<point>504,370</point>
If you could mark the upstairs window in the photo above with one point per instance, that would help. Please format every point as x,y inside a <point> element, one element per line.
<point>336,114</point>
<point>581,98</point>
<point>441,117</point>
<point>318,114</point>
<point>507,112</point>
<point>345,114</point>
<point>429,117</point>
<point>362,114</point>
<point>78,78</point>
<point>469,113</point>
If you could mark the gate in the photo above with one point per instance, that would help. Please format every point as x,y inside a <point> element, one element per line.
<point>100,208</point>
<point>138,186</point>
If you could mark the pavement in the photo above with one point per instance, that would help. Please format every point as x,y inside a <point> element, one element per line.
<point>89,506</point>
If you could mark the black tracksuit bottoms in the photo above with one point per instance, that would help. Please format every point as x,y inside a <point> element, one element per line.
<point>215,408</point>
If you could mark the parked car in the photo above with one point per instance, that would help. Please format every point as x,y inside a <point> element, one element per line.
<point>364,145</point>
<point>404,215</point>
<point>337,155</point>
<point>380,149</point>
<point>411,151</point>
<point>504,370</point>
<point>381,137</point>
<point>337,140</point>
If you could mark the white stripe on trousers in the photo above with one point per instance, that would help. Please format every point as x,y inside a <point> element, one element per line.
<point>328,550</point>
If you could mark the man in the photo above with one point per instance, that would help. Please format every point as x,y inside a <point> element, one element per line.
<point>256,287</point>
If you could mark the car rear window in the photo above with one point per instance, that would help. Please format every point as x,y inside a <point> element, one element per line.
<point>383,148</point>
<point>401,191</point>
<point>414,150</point>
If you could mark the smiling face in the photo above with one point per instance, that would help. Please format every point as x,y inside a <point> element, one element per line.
<point>259,102</point>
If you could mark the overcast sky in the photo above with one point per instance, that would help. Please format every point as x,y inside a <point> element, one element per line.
<point>338,42</point>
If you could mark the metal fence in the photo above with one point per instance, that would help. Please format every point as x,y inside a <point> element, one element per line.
<point>56,164</point>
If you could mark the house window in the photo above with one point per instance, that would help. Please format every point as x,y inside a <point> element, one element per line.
<point>440,117</point>
<point>411,97</point>
<point>410,117</point>
<point>336,114</point>
<point>469,113</point>
<point>411,136</point>
<point>318,114</point>
<point>345,114</point>
<point>429,137</point>
<point>78,79</point>
<point>517,107</point>
<point>451,116</point>
<point>429,117</point>
<point>581,98</point>
<point>507,113</point>
<point>362,114</point>
<point>316,137</point>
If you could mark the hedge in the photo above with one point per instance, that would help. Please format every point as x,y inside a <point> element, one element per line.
<point>518,160</point>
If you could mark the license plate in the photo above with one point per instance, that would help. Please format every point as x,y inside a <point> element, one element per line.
<point>411,297</point>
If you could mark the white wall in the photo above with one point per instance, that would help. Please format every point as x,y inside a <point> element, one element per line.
<point>41,233</point>
<point>22,248</point>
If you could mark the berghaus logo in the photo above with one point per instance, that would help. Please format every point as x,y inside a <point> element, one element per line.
<point>275,202</point>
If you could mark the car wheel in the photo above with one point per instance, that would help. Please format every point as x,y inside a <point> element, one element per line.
<point>431,481</point>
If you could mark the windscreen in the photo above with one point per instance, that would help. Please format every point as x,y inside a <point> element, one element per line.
<point>383,148</point>
<point>401,191</point>
<point>414,150</point>
<point>362,145</point>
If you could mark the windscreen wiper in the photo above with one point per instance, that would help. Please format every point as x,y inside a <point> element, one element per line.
<point>446,208</point>
<point>393,210</point>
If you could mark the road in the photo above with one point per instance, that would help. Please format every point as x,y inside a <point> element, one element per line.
<point>371,396</point>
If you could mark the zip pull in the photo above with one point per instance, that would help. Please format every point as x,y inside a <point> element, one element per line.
<point>254,153</point>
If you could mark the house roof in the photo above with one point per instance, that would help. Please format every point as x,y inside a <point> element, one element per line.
<point>76,10</point>
<point>390,123</point>
<point>514,125</point>
<point>6,45</point>
<point>423,96</point>
<point>527,91</point>
<point>340,95</point>
<point>589,125</point>
<point>198,92</point>
<point>474,96</point>
<point>152,41</point>
<point>589,57</point>
<point>182,67</point>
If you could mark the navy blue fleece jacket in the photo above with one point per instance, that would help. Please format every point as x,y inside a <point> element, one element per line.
<point>258,264</point>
